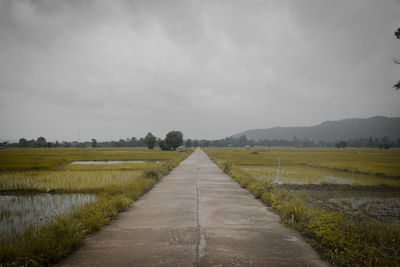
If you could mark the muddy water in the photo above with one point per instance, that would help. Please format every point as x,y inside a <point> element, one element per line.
<point>375,206</point>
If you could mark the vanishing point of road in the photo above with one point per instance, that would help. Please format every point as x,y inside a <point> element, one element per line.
<point>195,216</point>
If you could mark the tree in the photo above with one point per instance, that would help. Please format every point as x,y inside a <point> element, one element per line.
<point>397,86</point>
<point>242,140</point>
<point>189,143</point>
<point>3,144</point>
<point>134,141</point>
<point>341,144</point>
<point>204,143</point>
<point>23,142</point>
<point>94,142</point>
<point>41,141</point>
<point>163,145</point>
<point>397,34</point>
<point>121,143</point>
<point>174,139</point>
<point>150,140</point>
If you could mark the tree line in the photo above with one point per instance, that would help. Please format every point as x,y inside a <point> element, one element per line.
<point>174,139</point>
<point>383,142</point>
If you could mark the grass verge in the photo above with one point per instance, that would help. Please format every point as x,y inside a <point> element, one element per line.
<point>340,239</point>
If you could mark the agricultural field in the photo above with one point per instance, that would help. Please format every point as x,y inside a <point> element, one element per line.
<point>345,202</point>
<point>52,198</point>
<point>56,158</point>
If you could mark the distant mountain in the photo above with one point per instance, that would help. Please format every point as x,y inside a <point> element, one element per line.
<point>376,127</point>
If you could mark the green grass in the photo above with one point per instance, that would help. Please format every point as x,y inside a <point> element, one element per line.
<point>39,171</point>
<point>357,160</point>
<point>345,226</point>
<point>65,181</point>
<point>54,158</point>
<point>109,167</point>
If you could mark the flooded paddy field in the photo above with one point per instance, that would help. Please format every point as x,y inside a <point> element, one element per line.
<point>353,194</point>
<point>314,175</point>
<point>17,212</point>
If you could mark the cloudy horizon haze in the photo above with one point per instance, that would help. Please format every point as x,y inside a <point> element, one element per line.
<point>117,69</point>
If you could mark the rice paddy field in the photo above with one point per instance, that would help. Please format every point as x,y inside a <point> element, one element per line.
<point>52,198</point>
<point>345,202</point>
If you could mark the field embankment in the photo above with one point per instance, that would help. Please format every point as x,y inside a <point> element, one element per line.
<point>50,206</point>
<point>351,217</point>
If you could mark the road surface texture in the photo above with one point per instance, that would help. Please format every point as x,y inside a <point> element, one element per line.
<point>195,216</point>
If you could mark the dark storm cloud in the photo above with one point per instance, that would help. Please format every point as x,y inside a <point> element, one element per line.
<point>112,69</point>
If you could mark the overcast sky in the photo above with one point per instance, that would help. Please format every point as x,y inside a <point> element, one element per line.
<point>116,69</point>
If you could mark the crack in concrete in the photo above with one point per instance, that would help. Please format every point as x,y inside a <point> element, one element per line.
<point>196,261</point>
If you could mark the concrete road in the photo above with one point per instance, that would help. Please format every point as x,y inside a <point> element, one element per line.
<point>195,216</point>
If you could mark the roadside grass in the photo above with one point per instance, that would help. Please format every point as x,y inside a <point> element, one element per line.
<point>343,234</point>
<point>115,189</point>
<point>342,239</point>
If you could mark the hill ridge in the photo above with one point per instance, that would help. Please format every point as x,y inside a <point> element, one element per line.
<point>350,128</point>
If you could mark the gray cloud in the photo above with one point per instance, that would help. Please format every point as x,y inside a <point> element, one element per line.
<point>115,69</point>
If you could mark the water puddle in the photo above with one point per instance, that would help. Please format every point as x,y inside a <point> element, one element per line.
<point>312,180</point>
<point>99,162</point>
<point>338,180</point>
